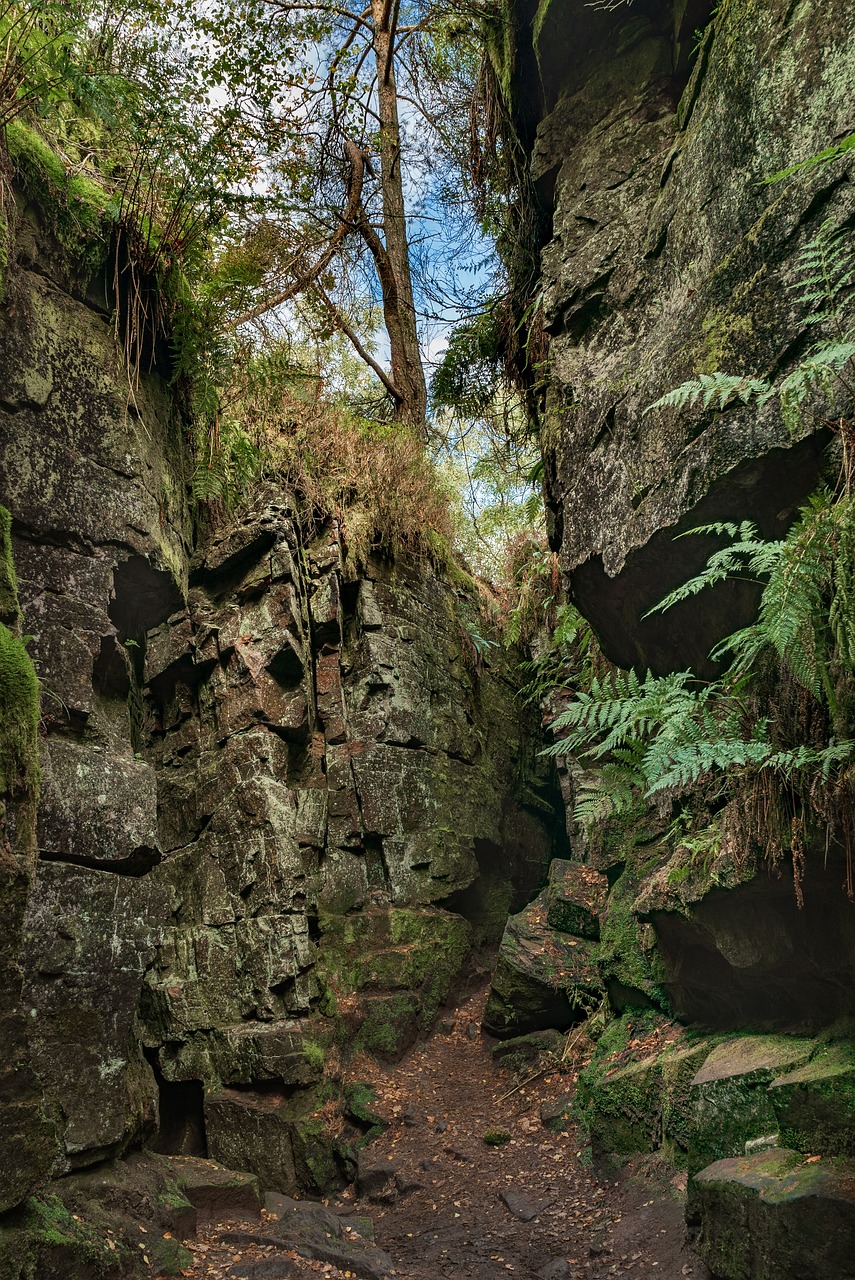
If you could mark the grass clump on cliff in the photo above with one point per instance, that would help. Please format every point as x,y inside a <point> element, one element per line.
<point>373,480</point>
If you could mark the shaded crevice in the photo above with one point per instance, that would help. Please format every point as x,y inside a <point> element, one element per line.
<point>137,864</point>
<point>181,1114</point>
<point>144,596</point>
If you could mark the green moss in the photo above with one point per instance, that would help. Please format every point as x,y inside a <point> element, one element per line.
<point>624,962</point>
<point>19,718</point>
<point>42,1239</point>
<point>400,961</point>
<point>496,1137</point>
<point>314,1053</point>
<point>19,688</point>
<point>9,611</point>
<point>78,210</point>
<point>389,1025</point>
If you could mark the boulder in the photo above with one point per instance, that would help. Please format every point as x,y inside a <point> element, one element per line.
<point>543,978</point>
<point>776,1215</point>
<point>575,898</point>
<point>731,1101</point>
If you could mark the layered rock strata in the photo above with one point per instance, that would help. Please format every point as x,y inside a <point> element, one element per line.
<point>246,747</point>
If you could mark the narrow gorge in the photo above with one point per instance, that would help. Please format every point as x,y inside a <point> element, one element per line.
<point>277,803</point>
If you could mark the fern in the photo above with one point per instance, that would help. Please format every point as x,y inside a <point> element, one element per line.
<point>715,391</point>
<point>824,288</point>
<point>664,734</point>
<point>826,277</point>
<point>747,555</point>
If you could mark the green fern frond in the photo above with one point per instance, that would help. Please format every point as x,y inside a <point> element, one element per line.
<point>714,391</point>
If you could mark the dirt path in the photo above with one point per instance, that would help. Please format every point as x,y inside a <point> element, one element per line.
<point>446,1204</point>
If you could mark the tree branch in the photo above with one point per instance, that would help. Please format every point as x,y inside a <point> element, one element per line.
<point>392,32</point>
<point>352,215</point>
<point>342,324</point>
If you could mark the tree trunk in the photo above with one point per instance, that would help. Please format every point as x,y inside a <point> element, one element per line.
<point>398,307</point>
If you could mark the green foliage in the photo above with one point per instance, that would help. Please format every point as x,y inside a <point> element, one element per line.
<point>664,734</point>
<point>714,391</point>
<point>823,291</point>
<point>823,157</point>
<point>468,379</point>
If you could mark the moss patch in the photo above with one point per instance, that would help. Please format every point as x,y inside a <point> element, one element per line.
<point>79,211</point>
<point>44,1239</point>
<point>19,688</point>
<point>387,971</point>
<point>634,1095</point>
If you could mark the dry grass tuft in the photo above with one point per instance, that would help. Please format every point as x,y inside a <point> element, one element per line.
<point>374,479</point>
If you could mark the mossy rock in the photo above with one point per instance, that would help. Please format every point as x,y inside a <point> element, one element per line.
<point>575,897</point>
<point>359,1106</point>
<point>43,1241</point>
<point>542,979</point>
<point>815,1103</point>
<point>776,1215</point>
<point>496,1137</point>
<point>630,1103</point>
<point>522,1052</point>
<point>392,968</point>
<point>79,211</point>
<point>627,951</point>
<point>731,1100</point>
<point>390,1024</point>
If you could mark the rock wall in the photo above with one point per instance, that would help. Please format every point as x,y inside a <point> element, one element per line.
<point>245,748</point>
<point>651,130</point>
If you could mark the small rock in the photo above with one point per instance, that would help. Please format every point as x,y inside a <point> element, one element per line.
<point>557,1116</point>
<point>521,1207</point>
<point>373,1174</point>
<point>557,1269</point>
<point>406,1186</point>
<point>412,1118</point>
<point>441,1126</point>
<point>473,1031</point>
<point>598,1245</point>
<point>446,1027</point>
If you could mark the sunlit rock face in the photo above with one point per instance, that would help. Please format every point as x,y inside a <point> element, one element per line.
<point>667,255</point>
<point>246,746</point>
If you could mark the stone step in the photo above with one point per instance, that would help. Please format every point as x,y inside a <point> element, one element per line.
<point>216,1192</point>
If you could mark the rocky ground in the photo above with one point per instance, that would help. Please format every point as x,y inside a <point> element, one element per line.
<point>438,1200</point>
